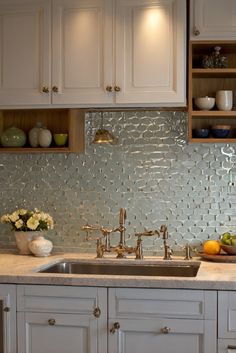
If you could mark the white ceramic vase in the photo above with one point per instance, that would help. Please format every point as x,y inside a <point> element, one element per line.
<point>224,100</point>
<point>45,138</point>
<point>34,134</point>
<point>22,241</point>
<point>40,246</point>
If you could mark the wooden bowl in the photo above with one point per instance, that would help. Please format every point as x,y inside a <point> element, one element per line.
<point>229,249</point>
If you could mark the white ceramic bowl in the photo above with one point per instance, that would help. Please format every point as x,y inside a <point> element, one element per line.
<point>204,103</point>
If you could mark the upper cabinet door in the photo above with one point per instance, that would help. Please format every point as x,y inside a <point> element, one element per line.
<point>24,52</point>
<point>151,52</point>
<point>213,19</point>
<point>82,51</point>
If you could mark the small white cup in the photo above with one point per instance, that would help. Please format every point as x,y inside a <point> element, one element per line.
<point>224,100</point>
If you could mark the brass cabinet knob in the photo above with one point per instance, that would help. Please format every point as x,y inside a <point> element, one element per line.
<point>115,327</point>
<point>109,88</point>
<point>196,31</point>
<point>117,89</point>
<point>55,89</point>
<point>97,312</point>
<point>45,89</point>
<point>51,322</point>
<point>165,330</point>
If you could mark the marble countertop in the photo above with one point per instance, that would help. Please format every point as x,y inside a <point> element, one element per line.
<point>23,269</point>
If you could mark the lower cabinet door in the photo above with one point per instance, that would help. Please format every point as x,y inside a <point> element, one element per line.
<point>8,318</point>
<point>56,333</point>
<point>162,336</point>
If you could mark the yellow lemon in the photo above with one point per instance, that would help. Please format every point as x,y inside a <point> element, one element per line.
<point>211,247</point>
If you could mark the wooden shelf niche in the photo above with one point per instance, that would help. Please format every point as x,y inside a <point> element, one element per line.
<point>205,82</point>
<point>71,121</point>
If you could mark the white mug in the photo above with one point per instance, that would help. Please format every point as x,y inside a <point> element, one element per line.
<point>224,100</point>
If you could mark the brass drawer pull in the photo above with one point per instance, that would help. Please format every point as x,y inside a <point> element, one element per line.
<point>97,312</point>
<point>115,327</point>
<point>55,89</point>
<point>109,88</point>
<point>196,31</point>
<point>45,89</point>
<point>51,322</point>
<point>117,89</point>
<point>165,330</point>
<point>231,347</point>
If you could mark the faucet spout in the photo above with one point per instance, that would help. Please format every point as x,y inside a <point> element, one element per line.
<point>122,216</point>
<point>122,228</point>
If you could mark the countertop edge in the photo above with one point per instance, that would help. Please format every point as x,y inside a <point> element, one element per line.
<point>16,269</point>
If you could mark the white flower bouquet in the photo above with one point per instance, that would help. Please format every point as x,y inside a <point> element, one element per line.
<point>25,220</point>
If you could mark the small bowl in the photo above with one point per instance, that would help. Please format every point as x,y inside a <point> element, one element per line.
<point>220,131</point>
<point>201,133</point>
<point>60,139</point>
<point>229,249</point>
<point>204,103</point>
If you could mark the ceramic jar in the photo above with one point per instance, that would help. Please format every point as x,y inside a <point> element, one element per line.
<point>40,246</point>
<point>34,135</point>
<point>22,241</point>
<point>45,137</point>
<point>13,137</point>
<point>224,100</point>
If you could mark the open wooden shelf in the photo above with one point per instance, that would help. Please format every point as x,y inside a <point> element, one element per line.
<point>70,121</point>
<point>214,113</point>
<point>212,140</point>
<point>205,82</point>
<point>208,73</point>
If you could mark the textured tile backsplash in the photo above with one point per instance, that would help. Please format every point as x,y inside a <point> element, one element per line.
<point>151,171</point>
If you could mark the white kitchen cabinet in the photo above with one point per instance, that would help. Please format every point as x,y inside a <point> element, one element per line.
<point>61,319</point>
<point>227,314</point>
<point>226,322</point>
<point>213,19</point>
<point>82,51</point>
<point>93,52</point>
<point>128,58</point>
<point>150,52</point>
<point>178,321</point>
<point>25,52</point>
<point>70,69</point>
<point>8,318</point>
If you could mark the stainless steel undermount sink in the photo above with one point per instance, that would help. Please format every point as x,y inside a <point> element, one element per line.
<point>175,270</point>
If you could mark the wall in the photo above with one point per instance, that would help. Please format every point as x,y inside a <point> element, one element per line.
<point>151,171</point>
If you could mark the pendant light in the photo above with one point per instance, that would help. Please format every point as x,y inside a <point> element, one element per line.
<point>103,136</point>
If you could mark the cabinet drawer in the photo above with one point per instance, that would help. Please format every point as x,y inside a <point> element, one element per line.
<point>227,314</point>
<point>226,346</point>
<point>148,335</point>
<point>81,300</point>
<point>130,303</point>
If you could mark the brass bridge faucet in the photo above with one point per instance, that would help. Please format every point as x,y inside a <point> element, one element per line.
<point>103,243</point>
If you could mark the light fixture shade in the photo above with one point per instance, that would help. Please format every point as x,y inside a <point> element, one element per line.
<point>103,136</point>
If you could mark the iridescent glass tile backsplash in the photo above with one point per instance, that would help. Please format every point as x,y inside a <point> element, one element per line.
<point>151,171</point>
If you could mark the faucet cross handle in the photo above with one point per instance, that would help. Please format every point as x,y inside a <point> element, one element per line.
<point>164,231</point>
<point>147,233</point>
<point>188,251</point>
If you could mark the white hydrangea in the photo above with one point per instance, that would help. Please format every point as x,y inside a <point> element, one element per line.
<point>26,220</point>
<point>14,217</point>
<point>32,223</point>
